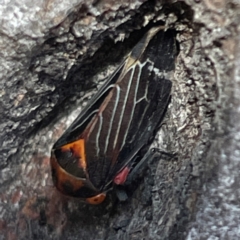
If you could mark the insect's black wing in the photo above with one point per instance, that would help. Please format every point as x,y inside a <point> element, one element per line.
<point>80,123</point>
<point>151,97</point>
<point>122,117</point>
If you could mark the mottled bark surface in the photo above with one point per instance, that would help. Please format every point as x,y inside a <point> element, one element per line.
<point>54,57</point>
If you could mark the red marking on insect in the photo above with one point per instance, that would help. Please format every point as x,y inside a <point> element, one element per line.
<point>121,177</point>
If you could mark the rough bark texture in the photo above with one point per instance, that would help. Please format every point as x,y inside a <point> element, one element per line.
<point>52,58</point>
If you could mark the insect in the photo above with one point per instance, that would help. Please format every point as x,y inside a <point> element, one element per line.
<point>96,151</point>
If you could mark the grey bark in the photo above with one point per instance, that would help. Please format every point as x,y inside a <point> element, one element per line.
<point>54,57</point>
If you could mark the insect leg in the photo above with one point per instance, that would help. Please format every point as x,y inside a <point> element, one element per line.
<point>151,154</point>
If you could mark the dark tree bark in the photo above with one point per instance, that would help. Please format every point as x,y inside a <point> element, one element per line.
<point>52,60</point>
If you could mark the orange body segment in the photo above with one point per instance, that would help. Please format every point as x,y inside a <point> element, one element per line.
<point>78,149</point>
<point>60,177</point>
<point>96,199</point>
